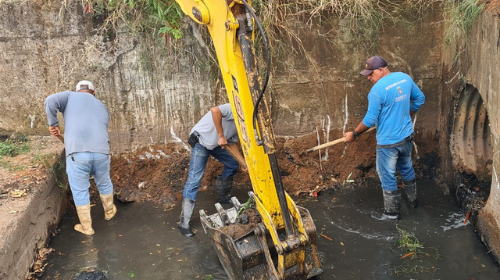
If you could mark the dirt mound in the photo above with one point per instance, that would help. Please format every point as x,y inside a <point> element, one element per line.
<point>158,172</point>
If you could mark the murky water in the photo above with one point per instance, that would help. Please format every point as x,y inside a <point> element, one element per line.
<point>142,242</point>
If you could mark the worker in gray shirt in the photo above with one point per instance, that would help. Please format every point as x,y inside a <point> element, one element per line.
<point>212,135</point>
<point>87,148</point>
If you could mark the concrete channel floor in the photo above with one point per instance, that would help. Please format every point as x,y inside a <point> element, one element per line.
<point>142,241</point>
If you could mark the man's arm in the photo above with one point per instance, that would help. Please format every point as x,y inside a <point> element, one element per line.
<point>351,136</point>
<point>417,99</point>
<point>217,118</point>
<point>53,104</point>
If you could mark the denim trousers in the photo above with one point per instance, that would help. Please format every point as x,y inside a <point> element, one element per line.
<point>390,159</point>
<point>198,162</point>
<point>79,166</point>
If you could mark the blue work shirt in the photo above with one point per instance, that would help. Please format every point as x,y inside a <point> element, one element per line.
<point>389,103</point>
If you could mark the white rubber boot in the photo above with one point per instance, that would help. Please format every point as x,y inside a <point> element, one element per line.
<point>108,205</point>
<point>85,225</point>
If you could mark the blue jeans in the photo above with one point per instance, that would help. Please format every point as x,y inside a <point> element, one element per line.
<point>388,159</point>
<point>198,162</point>
<point>79,166</point>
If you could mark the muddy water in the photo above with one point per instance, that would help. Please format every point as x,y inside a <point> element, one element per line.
<point>142,241</point>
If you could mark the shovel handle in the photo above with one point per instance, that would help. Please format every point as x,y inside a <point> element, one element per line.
<point>331,143</point>
<point>60,138</point>
<point>237,157</point>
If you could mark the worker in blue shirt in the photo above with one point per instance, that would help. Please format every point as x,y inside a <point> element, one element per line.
<point>392,101</point>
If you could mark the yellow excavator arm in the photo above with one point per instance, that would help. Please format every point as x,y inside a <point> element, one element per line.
<point>293,254</point>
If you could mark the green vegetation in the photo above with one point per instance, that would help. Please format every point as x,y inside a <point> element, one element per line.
<point>249,204</point>
<point>13,147</point>
<point>58,171</point>
<point>357,21</point>
<point>415,259</point>
<point>55,165</point>
<point>460,15</point>
<point>408,243</point>
<point>9,166</point>
<point>156,17</point>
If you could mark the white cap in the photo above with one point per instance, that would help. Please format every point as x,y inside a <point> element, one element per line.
<point>84,85</point>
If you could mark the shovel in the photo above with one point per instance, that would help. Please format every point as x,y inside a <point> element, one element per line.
<point>331,143</point>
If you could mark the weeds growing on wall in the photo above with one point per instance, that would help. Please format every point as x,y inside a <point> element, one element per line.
<point>460,15</point>
<point>363,19</point>
<point>55,165</point>
<point>362,16</point>
<point>360,21</point>
<point>459,18</point>
<point>158,17</point>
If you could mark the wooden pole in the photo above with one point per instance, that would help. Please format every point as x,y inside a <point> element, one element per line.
<point>334,142</point>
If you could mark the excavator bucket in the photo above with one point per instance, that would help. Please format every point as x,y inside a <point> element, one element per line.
<point>248,252</point>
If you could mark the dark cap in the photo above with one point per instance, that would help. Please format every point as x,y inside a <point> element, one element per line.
<point>374,62</point>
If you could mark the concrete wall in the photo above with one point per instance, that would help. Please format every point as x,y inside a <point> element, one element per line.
<point>306,92</point>
<point>156,91</point>
<point>148,87</point>
<point>481,67</point>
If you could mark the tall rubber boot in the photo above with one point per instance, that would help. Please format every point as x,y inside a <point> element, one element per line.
<point>224,186</point>
<point>186,213</point>
<point>108,205</point>
<point>411,192</point>
<point>85,225</point>
<point>392,204</point>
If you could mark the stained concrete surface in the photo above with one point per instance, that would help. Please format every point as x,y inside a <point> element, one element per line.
<point>142,241</point>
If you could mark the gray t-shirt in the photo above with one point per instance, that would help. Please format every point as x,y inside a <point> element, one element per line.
<point>86,121</point>
<point>208,133</point>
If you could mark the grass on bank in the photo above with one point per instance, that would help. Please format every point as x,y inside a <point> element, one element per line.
<point>17,145</point>
<point>13,147</point>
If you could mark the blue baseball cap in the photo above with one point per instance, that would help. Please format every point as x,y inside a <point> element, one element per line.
<point>374,62</point>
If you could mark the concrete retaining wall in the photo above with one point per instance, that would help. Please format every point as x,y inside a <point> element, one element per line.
<point>481,69</point>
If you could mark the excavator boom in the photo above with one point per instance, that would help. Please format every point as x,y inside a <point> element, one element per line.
<point>283,246</point>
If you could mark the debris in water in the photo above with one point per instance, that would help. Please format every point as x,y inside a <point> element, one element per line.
<point>326,237</point>
<point>92,275</point>
<point>467,216</point>
<point>407,255</point>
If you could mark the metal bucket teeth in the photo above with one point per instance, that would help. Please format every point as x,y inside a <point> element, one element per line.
<point>251,256</point>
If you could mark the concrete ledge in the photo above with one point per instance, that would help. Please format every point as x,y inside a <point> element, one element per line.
<point>28,220</point>
<point>488,227</point>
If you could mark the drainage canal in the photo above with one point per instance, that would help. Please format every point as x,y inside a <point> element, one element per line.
<point>471,150</point>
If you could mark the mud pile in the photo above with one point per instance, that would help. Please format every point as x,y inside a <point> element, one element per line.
<point>158,172</point>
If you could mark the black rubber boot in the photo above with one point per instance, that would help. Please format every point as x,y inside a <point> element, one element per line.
<point>411,192</point>
<point>186,213</point>
<point>224,186</point>
<point>392,205</point>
